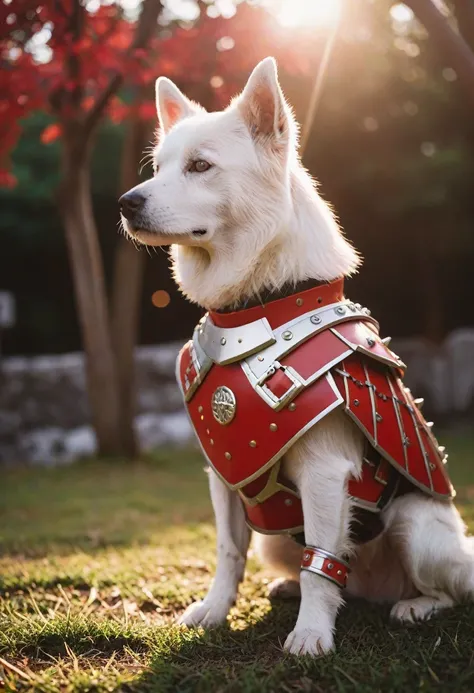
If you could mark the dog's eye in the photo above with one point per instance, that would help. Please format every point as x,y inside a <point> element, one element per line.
<point>199,166</point>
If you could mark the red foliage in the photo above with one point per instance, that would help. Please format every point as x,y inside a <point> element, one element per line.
<point>51,133</point>
<point>59,57</point>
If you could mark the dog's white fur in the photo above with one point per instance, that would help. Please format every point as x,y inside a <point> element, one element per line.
<point>266,225</point>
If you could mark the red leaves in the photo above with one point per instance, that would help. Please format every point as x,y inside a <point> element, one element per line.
<point>50,65</point>
<point>7,179</point>
<point>51,133</point>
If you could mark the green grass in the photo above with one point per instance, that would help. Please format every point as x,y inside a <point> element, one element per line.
<point>98,559</point>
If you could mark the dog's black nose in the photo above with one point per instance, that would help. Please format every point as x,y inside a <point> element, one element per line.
<point>130,203</point>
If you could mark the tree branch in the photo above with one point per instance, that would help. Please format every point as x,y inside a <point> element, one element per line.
<point>454,47</point>
<point>145,29</point>
<point>464,13</point>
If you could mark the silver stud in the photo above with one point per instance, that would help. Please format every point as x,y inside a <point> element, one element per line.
<point>288,501</point>
<point>356,403</point>
<point>352,307</point>
<point>200,410</point>
<point>202,417</point>
<point>370,341</point>
<point>330,566</point>
<point>366,311</point>
<point>432,465</point>
<point>430,424</point>
<point>316,319</point>
<point>340,310</point>
<point>260,358</point>
<point>441,448</point>
<point>306,556</point>
<point>378,417</point>
<point>211,441</point>
<point>253,443</point>
<point>406,441</point>
<point>419,401</point>
<point>223,341</point>
<point>273,427</point>
<point>208,432</point>
<point>339,572</point>
<point>287,335</point>
<point>227,455</point>
<point>358,306</point>
<point>292,407</point>
<point>299,301</point>
<point>386,341</point>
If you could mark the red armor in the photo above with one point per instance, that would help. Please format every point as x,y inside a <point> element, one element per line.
<point>254,381</point>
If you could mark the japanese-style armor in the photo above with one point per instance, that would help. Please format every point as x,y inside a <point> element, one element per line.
<point>255,380</point>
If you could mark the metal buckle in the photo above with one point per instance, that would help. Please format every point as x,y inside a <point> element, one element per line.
<point>277,403</point>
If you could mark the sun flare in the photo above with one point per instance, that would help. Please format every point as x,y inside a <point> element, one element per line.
<point>314,13</point>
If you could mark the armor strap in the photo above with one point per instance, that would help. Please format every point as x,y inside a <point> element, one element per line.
<point>326,564</point>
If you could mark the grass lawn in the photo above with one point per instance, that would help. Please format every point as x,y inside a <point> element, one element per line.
<point>97,560</point>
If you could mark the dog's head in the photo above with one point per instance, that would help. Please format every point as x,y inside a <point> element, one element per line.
<point>214,172</point>
<point>231,199</point>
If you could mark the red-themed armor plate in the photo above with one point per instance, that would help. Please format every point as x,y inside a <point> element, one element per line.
<point>386,413</point>
<point>241,449</point>
<point>253,385</point>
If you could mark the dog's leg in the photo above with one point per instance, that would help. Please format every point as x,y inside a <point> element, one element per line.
<point>233,537</point>
<point>435,552</point>
<point>320,470</point>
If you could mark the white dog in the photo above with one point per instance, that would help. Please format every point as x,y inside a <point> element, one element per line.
<point>244,218</point>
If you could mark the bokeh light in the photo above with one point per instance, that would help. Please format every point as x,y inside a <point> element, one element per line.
<point>160,298</point>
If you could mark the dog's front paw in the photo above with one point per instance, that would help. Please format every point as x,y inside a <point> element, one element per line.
<point>207,614</point>
<point>303,641</point>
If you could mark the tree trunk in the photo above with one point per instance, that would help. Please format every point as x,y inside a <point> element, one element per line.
<point>127,290</point>
<point>75,206</point>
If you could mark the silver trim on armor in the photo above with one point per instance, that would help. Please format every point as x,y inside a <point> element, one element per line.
<point>403,435</point>
<point>302,328</point>
<point>317,562</point>
<point>202,365</point>
<point>420,439</point>
<point>372,399</point>
<point>299,383</point>
<point>392,360</point>
<point>226,345</point>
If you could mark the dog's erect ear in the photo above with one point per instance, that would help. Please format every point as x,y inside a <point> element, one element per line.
<point>171,104</point>
<point>262,103</point>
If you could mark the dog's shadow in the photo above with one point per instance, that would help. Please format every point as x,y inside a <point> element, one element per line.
<point>249,656</point>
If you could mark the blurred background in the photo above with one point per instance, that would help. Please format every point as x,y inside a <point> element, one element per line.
<point>90,326</point>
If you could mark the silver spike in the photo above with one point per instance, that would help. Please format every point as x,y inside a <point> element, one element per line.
<point>386,341</point>
<point>419,401</point>
<point>430,424</point>
<point>441,448</point>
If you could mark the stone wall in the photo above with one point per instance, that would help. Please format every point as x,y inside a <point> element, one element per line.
<point>44,413</point>
<point>45,416</point>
